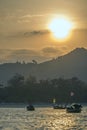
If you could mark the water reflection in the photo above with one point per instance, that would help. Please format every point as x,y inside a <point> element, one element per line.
<point>42,119</point>
<point>58,120</point>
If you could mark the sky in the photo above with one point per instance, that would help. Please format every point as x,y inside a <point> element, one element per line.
<point>24,32</point>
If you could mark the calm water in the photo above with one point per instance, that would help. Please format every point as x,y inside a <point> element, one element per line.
<point>42,119</point>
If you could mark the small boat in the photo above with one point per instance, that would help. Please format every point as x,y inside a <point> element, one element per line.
<point>74,108</point>
<point>56,106</point>
<point>30,108</point>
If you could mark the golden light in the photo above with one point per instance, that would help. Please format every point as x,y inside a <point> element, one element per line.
<point>60,27</point>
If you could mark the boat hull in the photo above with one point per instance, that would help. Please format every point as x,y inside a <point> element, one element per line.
<point>30,108</point>
<point>73,110</point>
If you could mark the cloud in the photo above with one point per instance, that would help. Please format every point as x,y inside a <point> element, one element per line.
<point>38,32</point>
<point>23,52</point>
<point>9,55</point>
<point>13,55</point>
<point>50,50</point>
<point>28,34</point>
<point>30,16</point>
<point>33,33</point>
<point>27,18</point>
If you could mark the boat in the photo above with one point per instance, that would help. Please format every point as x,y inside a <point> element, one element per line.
<point>74,108</point>
<point>56,106</point>
<point>30,108</point>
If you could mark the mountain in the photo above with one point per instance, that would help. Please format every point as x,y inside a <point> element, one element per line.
<point>73,64</point>
<point>69,65</point>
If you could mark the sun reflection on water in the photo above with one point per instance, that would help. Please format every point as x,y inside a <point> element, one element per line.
<point>59,121</point>
<point>42,119</point>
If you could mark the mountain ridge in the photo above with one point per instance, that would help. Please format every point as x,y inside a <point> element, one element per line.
<point>73,64</point>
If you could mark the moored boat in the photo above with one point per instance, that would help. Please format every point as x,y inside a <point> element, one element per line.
<point>30,108</point>
<point>56,106</point>
<point>74,108</point>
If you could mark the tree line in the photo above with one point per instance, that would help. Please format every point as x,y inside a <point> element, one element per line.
<point>21,89</point>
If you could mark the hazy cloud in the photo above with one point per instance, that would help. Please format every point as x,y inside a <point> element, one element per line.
<point>11,55</point>
<point>40,32</point>
<point>24,52</point>
<point>28,34</point>
<point>30,16</point>
<point>16,55</point>
<point>51,52</point>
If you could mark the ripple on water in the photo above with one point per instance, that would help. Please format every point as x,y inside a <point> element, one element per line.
<point>42,119</point>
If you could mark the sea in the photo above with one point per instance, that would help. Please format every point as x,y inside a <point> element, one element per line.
<point>43,118</point>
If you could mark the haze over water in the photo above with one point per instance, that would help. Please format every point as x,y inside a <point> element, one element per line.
<point>43,118</point>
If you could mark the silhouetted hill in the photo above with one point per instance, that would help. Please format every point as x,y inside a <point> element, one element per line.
<point>69,65</point>
<point>73,64</point>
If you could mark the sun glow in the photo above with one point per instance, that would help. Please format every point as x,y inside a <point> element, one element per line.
<point>60,27</point>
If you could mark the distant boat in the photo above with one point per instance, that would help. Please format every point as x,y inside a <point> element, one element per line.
<point>58,106</point>
<point>74,108</point>
<point>30,108</point>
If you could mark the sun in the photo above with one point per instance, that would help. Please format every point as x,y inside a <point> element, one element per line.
<point>60,27</point>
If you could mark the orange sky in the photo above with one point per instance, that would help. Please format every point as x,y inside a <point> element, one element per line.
<point>24,34</point>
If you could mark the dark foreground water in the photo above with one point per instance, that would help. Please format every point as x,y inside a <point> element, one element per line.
<point>43,118</point>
